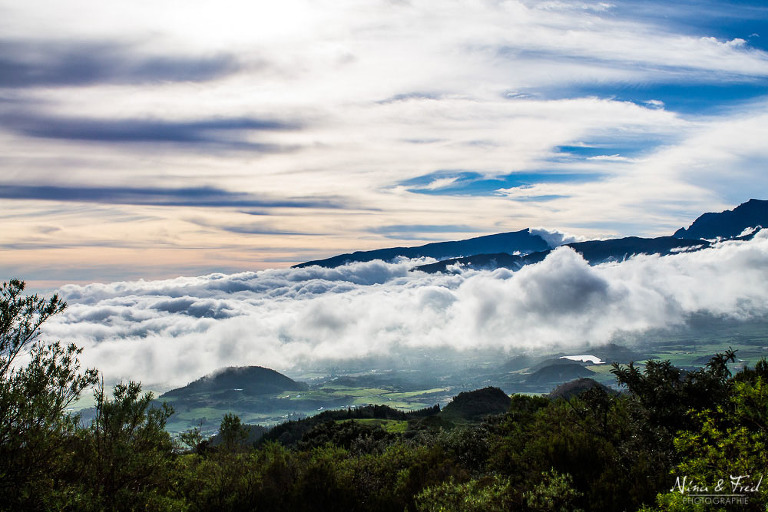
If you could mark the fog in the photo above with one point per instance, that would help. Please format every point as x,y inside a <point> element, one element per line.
<point>167,333</point>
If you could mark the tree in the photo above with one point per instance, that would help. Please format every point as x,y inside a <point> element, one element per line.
<point>193,439</point>
<point>36,433</point>
<point>662,395</point>
<point>555,493</point>
<point>491,494</point>
<point>126,452</point>
<point>726,442</point>
<point>20,320</point>
<point>233,433</point>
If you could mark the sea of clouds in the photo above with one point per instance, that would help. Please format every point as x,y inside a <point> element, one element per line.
<point>167,333</point>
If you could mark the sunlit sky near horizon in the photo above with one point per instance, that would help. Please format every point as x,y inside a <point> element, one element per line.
<point>156,139</point>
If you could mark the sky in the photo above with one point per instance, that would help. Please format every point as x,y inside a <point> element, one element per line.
<point>151,140</point>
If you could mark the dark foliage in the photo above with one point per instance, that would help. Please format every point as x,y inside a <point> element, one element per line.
<point>350,435</point>
<point>291,432</point>
<point>575,388</point>
<point>474,405</point>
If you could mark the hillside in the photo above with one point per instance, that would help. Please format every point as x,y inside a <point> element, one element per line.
<point>594,252</point>
<point>250,391</point>
<point>248,380</point>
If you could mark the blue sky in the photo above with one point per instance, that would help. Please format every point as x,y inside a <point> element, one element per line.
<point>165,138</point>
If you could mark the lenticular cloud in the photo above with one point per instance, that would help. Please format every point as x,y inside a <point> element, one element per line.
<point>169,332</point>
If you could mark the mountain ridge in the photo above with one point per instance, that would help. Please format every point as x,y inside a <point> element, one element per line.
<point>728,223</point>
<point>593,251</point>
<point>516,249</point>
<point>523,241</point>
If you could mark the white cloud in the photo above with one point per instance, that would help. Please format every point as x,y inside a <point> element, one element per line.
<point>169,332</point>
<point>610,158</point>
<point>555,238</point>
<point>440,183</point>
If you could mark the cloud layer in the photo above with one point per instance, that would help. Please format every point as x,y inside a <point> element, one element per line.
<point>167,333</point>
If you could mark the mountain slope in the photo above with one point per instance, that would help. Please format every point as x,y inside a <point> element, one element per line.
<point>519,241</point>
<point>594,251</point>
<point>727,224</point>
<point>600,251</point>
<point>250,380</point>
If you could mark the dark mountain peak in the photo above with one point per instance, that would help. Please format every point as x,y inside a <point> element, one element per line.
<point>727,224</point>
<point>253,380</point>
<point>522,241</point>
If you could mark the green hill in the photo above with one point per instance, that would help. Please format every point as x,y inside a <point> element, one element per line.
<point>248,380</point>
<point>474,405</point>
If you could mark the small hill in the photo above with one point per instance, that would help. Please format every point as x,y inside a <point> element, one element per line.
<point>727,224</point>
<point>576,387</point>
<point>248,380</point>
<point>560,372</point>
<point>474,405</point>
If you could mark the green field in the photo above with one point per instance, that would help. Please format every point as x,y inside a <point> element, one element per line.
<point>285,406</point>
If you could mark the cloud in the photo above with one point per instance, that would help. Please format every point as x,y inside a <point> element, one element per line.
<point>610,158</point>
<point>262,227</point>
<point>169,332</point>
<point>208,197</point>
<point>441,183</point>
<point>413,96</point>
<point>206,131</point>
<point>555,238</point>
<point>39,63</point>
